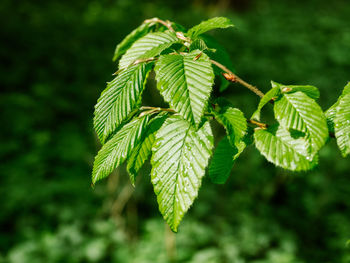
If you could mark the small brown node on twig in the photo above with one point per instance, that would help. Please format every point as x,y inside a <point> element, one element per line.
<point>230,77</point>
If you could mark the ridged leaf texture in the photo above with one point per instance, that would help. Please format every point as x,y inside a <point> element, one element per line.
<point>213,23</point>
<point>233,121</point>
<point>119,99</point>
<point>118,148</point>
<point>280,148</point>
<point>223,159</point>
<point>148,46</point>
<point>127,42</point>
<point>331,112</point>
<point>185,82</point>
<point>142,151</point>
<point>342,125</point>
<point>297,111</point>
<point>180,157</point>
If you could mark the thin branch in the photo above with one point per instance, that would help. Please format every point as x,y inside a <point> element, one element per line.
<point>230,76</point>
<point>259,124</point>
<point>156,109</point>
<point>164,23</point>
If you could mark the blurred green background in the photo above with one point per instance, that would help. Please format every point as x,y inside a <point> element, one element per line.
<point>55,60</point>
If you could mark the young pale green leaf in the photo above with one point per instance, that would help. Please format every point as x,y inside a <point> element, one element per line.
<point>331,112</point>
<point>142,151</point>
<point>118,148</point>
<point>223,159</point>
<point>213,23</point>
<point>278,147</point>
<point>297,111</point>
<point>179,159</point>
<point>233,121</point>
<point>342,125</point>
<point>127,42</point>
<point>271,94</point>
<point>185,81</point>
<point>198,44</point>
<point>148,46</point>
<point>119,99</point>
<point>310,91</point>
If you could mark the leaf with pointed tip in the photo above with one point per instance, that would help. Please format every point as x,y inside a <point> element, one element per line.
<point>142,151</point>
<point>271,94</point>
<point>223,159</point>
<point>310,91</point>
<point>150,45</point>
<point>233,121</point>
<point>278,147</point>
<point>342,125</point>
<point>213,23</point>
<point>331,112</point>
<point>136,34</point>
<point>118,148</point>
<point>185,81</point>
<point>119,99</point>
<point>299,112</point>
<point>180,157</point>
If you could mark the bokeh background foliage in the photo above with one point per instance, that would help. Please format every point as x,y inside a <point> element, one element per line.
<point>55,59</point>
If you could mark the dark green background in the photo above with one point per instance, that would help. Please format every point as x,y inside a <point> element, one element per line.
<point>55,60</point>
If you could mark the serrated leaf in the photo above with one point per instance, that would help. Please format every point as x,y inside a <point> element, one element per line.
<point>271,94</point>
<point>342,125</point>
<point>118,148</point>
<point>233,121</point>
<point>143,150</point>
<point>119,99</point>
<point>127,42</point>
<point>213,23</point>
<point>299,112</point>
<point>331,112</point>
<point>223,159</point>
<point>185,81</point>
<point>278,147</point>
<point>148,46</point>
<point>310,91</point>
<point>180,157</point>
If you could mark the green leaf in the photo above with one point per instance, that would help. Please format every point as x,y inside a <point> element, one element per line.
<point>223,159</point>
<point>310,91</point>
<point>119,99</point>
<point>179,159</point>
<point>342,124</point>
<point>150,45</point>
<point>278,147</point>
<point>271,94</point>
<point>143,150</point>
<point>185,82</point>
<point>233,121</point>
<point>119,148</point>
<point>213,23</point>
<point>127,42</point>
<point>297,111</point>
<point>331,112</point>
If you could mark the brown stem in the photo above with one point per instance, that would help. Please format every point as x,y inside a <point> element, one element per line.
<point>156,108</point>
<point>164,23</point>
<point>259,124</point>
<point>230,76</point>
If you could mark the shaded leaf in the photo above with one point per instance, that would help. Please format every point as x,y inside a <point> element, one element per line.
<point>143,150</point>
<point>271,94</point>
<point>118,148</point>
